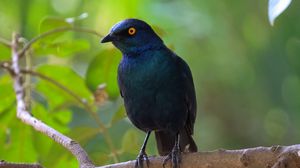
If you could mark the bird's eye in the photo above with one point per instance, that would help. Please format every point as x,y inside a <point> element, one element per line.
<point>131,31</point>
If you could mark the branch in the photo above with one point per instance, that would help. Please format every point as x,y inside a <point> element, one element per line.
<point>61,29</point>
<point>260,157</point>
<point>87,107</point>
<point>27,118</point>
<point>4,164</point>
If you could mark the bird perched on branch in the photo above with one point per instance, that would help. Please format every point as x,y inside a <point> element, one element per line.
<point>158,90</point>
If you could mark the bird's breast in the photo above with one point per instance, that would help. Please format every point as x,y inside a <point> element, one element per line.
<point>151,92</point>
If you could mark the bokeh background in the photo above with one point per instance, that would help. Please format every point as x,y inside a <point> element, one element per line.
<point>246,74</point>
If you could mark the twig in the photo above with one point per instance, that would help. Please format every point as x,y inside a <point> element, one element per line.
<point>61,29</point>
<point>27,118</point>
<point>260,157</point>
<point>88,108</point>
<point>4,164</point>
<point>54,82</point>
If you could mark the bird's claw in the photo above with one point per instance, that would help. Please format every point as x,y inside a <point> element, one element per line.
<point>175,157</point>
<point>140,160</point>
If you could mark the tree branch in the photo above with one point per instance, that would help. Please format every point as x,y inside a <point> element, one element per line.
<point>260,157</point>
<point>4,164</point>
<point>57,30</point>
<point>27,118</point>
<point>85,105</point>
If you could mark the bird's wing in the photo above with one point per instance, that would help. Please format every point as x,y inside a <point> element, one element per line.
<point>190,94</point>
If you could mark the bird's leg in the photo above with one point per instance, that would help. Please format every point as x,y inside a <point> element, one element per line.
<point>142,155</point>
<point>175,154</point>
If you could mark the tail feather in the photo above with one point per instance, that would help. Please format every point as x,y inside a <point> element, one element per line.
<point>165,141</point>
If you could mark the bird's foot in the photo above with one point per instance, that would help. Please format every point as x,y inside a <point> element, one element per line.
<point>175,157</point>
<point>140,160</point>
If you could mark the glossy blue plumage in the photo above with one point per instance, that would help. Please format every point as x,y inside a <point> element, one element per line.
<point>156,85</point>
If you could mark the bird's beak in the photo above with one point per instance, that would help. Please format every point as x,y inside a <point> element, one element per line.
<point>107,38</point>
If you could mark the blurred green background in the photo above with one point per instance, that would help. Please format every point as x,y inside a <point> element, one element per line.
<point>246,74</point>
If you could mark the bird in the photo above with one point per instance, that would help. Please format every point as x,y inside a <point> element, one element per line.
<point>158,90</point>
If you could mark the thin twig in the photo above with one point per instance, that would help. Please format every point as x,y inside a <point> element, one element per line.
<point>27,80</point>
<point>85,104</point>
<point>57,30</point>
<point>27,118</point>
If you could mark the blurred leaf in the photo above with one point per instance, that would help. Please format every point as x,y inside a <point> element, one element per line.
<point>18,145</point>
<point>66,77</point>
<point>130,142</point>
<point>83,134</point>
<point>7,94</point>
<point>43,144</point>
<point>276,124</point>
<point>81,118</point>
<point>59,157</point>
<point>119,115</point>
<point>276,7</point>
<point>103,69</point>
<point>54,118</point>
<point>7,116</point>
<point>293,50</point>
<point>291,91</point>
<point>63,116</point>
<point>161,32</point>
<point>5,53</point>
<point>100,158</point>
<point>108,110</point>
<point>50,23</point>
<point>61,48</point>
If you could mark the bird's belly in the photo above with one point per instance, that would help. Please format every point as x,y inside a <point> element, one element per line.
<point>143,113</point>
<point>146,113</point>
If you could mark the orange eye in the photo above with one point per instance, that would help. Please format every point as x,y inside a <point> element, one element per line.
<point>131,31</point>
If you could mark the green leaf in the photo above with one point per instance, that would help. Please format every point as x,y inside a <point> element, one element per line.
<point>45,146</point>
<point>16,141</point>
<point>61,48</point>
<point>4,53</point>
<point>50,23</point>
<point>108,111</point>
<point>83,134</point>
<point>119,115</point>
<point>7,94</point>
<point>100,158</point>
<point>103,69</point>
<point>59,157</point>
<point>130,142</point>
<point>66,77</point>
<point>81,117</point>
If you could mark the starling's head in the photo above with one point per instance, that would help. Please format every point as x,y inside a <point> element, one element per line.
<point>132,35</point>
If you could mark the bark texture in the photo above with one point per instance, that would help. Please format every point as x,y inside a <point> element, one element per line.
<point>260,157</point>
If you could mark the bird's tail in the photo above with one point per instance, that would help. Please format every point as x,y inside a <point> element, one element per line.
<point>165,141</point>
